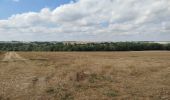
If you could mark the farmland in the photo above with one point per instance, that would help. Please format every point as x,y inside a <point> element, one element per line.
<point>143,75</point>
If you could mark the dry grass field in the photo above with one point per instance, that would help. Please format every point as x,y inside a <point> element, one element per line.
<point>85,75</point>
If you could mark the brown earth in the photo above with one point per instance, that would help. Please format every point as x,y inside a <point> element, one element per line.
<point>85,75</point>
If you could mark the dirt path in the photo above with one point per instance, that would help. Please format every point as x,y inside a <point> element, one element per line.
<point>13,56</point>
<point>18,76</point>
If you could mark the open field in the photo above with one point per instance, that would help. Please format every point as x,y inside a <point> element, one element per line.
<point>85,75</point>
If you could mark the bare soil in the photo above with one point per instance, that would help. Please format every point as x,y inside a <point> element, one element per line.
<point>85,75</point>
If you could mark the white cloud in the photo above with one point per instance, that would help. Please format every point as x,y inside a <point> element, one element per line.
<point>92,20</point>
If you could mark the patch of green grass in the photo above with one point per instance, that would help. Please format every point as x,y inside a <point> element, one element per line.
<point>93,78</point>
<point>111,93</point>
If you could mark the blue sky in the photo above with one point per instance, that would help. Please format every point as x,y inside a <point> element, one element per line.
<point>10,7</point>
<point>85,20</point>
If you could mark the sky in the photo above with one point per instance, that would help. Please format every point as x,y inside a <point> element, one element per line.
<point>84,20</point>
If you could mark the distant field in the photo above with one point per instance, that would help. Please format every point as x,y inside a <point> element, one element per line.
<point>85,75</point>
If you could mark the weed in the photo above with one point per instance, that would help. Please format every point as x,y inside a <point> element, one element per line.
<point>67,96</point>
<point>93,78</point>
<point>50,90</point>
<point>80,76</point>
<point>34,80</point>
<point>111,93</point>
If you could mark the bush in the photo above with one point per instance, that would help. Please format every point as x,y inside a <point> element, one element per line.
<point>59,46</point>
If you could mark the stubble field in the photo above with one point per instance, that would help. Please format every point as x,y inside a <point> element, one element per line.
<point>85,75</point>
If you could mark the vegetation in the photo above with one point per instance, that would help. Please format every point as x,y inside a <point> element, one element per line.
<point>85,75</point>
<point>60,46</point>
<point>111,93</point>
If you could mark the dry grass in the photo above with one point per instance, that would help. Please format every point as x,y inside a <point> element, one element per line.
<point>1,55</point>
<point>87,76</point>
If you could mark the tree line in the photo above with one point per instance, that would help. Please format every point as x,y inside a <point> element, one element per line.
<point>60,46</point>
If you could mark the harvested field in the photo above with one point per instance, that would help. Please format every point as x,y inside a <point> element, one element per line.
<point>85,75</point>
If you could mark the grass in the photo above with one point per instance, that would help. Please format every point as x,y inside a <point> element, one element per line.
<point>111,93</point>
<point>50,90</point>
<point>86,76</point>
<point>1,54</point>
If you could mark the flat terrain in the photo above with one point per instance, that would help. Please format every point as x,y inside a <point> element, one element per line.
<point>85,75</point>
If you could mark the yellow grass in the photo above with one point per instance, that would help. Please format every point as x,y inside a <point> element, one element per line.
<point>85,76</point>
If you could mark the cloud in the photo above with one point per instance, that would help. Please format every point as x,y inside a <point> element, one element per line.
<point>92,20</point>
